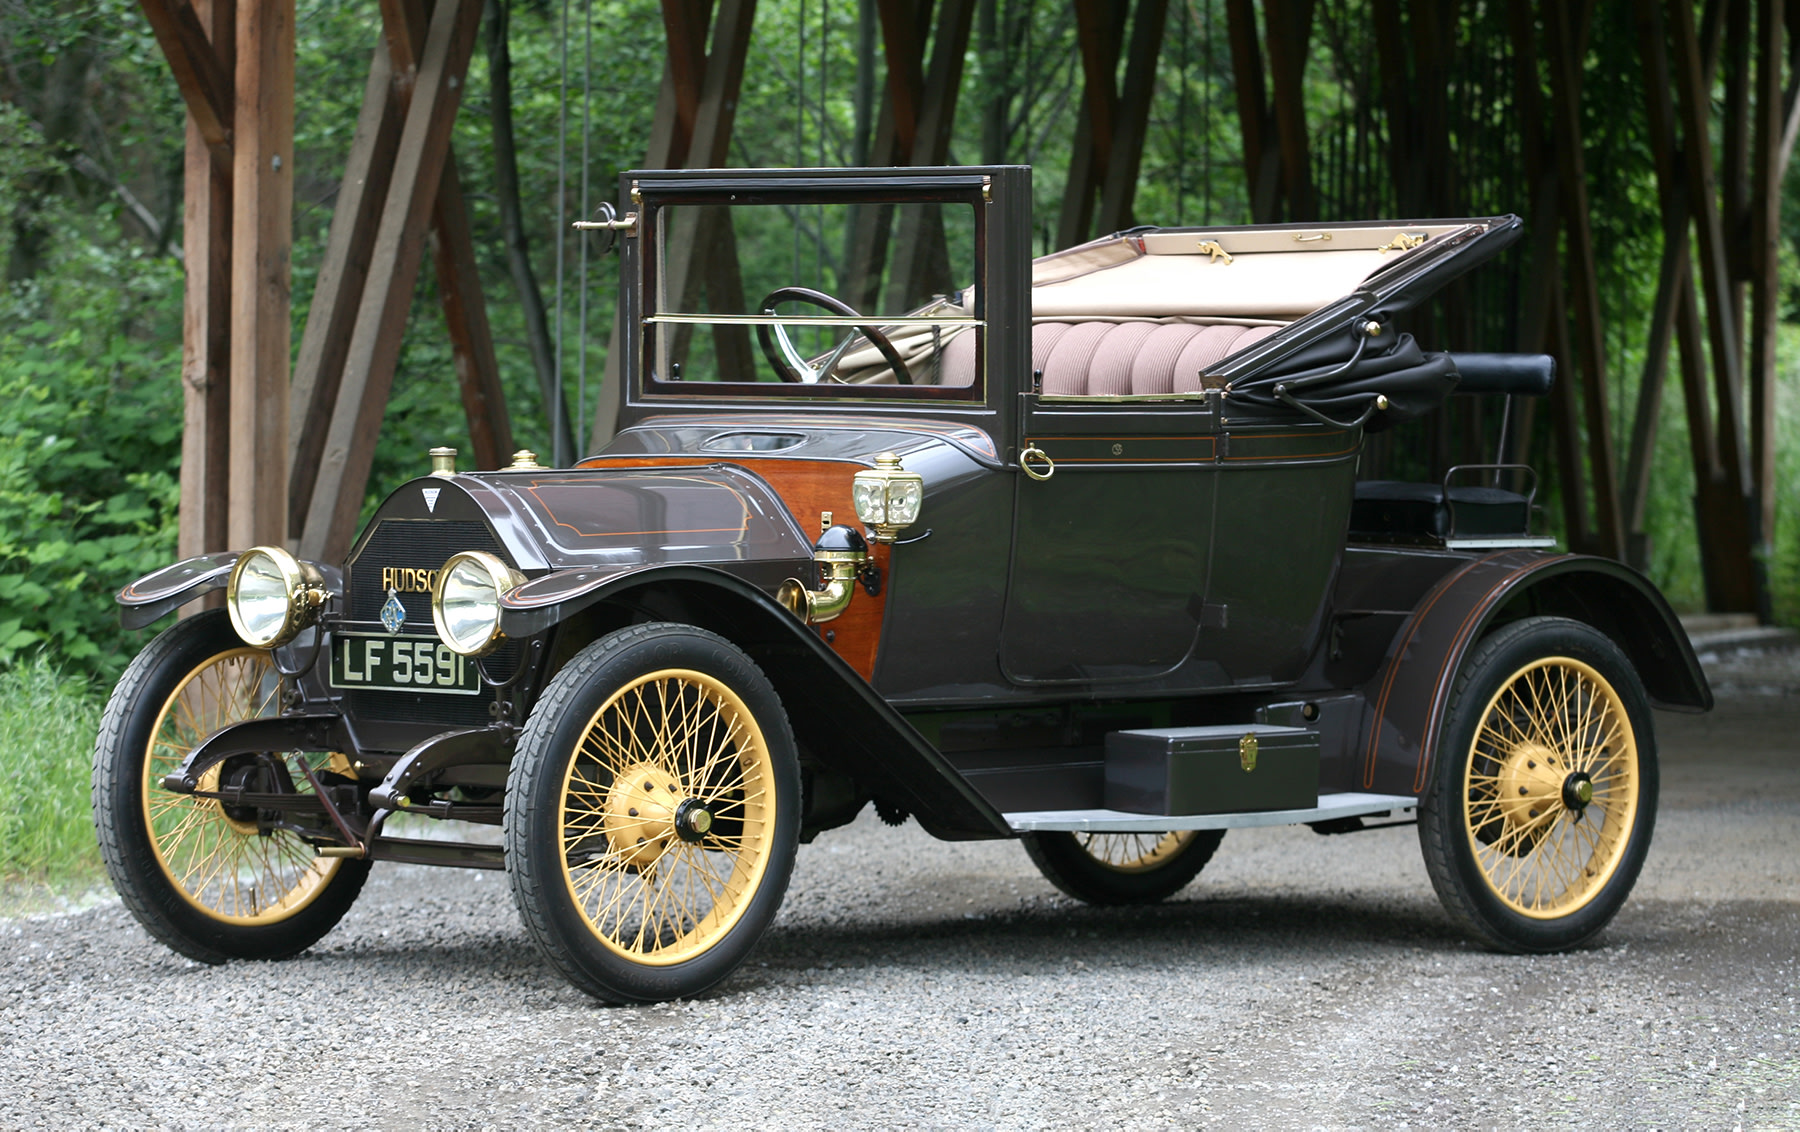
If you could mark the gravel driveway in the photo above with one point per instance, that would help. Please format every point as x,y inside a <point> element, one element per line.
<point>1302,981</point>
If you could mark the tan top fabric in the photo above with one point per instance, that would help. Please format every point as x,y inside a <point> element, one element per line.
<point>1280,275</point>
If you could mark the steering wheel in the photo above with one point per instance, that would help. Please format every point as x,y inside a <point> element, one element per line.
<point>788,363</point>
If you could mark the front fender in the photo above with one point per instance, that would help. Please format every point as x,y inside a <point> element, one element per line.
<point>837,717</point>
<point>1410,692</point>
<point>171,587</point>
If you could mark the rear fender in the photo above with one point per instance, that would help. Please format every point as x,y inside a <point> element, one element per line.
<point>1410,692</point>
<point>837,717</point>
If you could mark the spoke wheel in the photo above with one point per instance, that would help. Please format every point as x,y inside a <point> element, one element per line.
<point>212,881</point>
<point>652,813</point>
<point>1122,868</point>
<point>1544,795</point>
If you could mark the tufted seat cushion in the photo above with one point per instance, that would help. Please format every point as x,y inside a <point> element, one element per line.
<point>1086,359</point>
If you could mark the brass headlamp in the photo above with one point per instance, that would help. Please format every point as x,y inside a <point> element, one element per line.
<point>272,596</point>
<point>887,497</point>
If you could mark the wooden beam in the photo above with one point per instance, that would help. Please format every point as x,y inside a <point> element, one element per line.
<point>465,317</point>
<point>709,147</point>
<point>1766,174</point>
<point>1734,151</point>
<point>338,291</point>
<point>381,318</point>
<point>1675,279</point>
<point>404,26</point>
<point>1721,515</point>
<point>204,75</point>
<point>1100,33</point>
<point>920,261</point>
<point>1542,325</point>
<point>1288,33</point>
<point>903,47</point>
<point>1584,283</point>
<point>1131,123</point>
<point>206,319</point>
<point>1262,158</point>
<point>262,186</point>
<point>1405,134</point>
<point>1097,27</point>
<point>684,30</point>
<point>1723,340</point>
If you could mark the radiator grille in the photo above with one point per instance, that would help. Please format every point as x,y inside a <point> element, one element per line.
<point>421,544</point>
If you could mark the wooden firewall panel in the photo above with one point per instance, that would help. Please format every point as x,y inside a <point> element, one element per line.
<point>808,488</point>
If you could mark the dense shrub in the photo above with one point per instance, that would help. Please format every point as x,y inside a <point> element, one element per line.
<point>90,445</point>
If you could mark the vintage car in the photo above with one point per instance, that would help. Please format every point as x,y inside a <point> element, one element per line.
<point>1068,550</point>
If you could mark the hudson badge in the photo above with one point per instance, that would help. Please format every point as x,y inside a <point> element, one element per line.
<point>393,614</point>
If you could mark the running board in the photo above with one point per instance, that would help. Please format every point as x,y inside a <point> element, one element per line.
<point>1331,806</point>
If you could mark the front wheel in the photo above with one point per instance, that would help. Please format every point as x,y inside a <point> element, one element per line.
<point>652,814</point>
<point>212,881</point>
<point>1542,800</point>
<point>1122,868</point>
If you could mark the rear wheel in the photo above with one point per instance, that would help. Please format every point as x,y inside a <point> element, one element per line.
<point>1543,797</point>
<point>1122,868</point>
<point>213,882</point>
<point>652,814</point>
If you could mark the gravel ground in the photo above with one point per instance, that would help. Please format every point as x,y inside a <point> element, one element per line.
<point>1302,981</point>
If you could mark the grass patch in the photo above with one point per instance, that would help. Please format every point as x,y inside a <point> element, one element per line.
<point>47,726</point>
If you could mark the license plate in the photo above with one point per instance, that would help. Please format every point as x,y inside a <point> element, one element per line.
<point>402,664</point>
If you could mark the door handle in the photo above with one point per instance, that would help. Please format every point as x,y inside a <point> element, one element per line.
<point>1035,453</point>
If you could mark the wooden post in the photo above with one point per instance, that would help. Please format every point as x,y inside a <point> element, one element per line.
<point>1099,30</point>
<point>1262,157</point>
<point>920,259</point>
<point>387,295</point>
<point>465,318</point>
<point>1767,172</point>
<point>1584,283</point>
<point>1289,29</point>
<point>319,369</point>
<point>262,185</point>
<point>714,99</point>
<point>206,314</point>
<point>1131,122</point>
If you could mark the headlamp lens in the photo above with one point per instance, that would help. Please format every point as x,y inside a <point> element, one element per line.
<point>263,593</point>
<point>466,604</point>
<point>871,500</point>
<point>903,498</point>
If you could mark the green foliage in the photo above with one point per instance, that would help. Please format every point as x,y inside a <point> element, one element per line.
<point>47,726</point>
<point>90,440</point>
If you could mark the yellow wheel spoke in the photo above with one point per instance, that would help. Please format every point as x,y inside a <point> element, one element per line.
<point>1554,718</point>
<point>668,739</point>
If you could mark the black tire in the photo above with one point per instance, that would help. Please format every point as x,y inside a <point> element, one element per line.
<point>1524,856</point>
<point>645,863</point>
<point>1122,868</point>
<point>208,883</point>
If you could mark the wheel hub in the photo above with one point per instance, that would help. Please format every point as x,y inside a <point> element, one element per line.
<point>643,809</point>
<point>1531,785</point>
<point>1577,791</point>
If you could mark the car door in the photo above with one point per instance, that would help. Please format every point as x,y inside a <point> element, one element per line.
<point>1111,553</point>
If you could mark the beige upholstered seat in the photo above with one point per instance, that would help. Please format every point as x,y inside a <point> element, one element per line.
<point>1085,359</point>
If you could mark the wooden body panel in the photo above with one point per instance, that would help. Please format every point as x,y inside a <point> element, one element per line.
<point>808,488</point>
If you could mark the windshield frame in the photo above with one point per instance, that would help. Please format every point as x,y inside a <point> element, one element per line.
<point>653,193</point>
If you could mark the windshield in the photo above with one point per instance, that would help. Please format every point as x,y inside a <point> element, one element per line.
<point>784,294</point>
